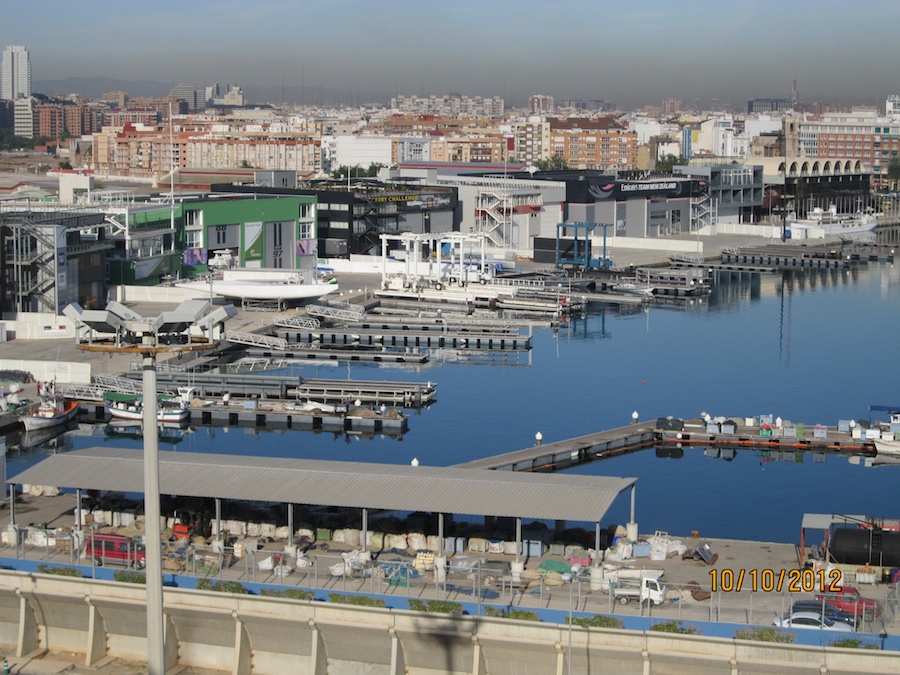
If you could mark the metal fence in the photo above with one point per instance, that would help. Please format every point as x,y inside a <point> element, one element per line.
<point>485,583</point>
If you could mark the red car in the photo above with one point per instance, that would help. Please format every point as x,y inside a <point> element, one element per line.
<point>848,599</point>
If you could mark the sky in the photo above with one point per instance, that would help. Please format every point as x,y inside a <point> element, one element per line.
<point>344,51</point>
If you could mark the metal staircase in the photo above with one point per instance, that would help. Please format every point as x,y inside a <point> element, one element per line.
<point>297,322</point>
<point>338,311</point>
<point>257,340</point>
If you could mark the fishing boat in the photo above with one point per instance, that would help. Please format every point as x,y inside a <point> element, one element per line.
<point>169,410</point>
<point>886,447</point>
<point>52,411</point>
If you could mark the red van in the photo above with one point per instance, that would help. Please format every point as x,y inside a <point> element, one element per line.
<point>115,549</point>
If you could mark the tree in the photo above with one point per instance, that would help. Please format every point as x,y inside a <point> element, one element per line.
<point>66,165</point>
<point>666,163</point>
<point>893,171</point>
<point>555,163</point>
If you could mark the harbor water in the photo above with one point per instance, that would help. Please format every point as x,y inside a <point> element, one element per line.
<point>810,347</point>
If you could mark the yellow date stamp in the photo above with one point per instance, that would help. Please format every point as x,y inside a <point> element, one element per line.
<point>775,581</point>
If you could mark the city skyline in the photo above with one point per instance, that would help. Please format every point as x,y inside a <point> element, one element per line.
<point>349,50</point>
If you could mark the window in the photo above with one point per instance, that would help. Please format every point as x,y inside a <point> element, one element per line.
<point>193,238</point>
<point>306,231</point>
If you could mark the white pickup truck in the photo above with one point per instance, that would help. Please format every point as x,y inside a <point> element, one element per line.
<point>648,587</point>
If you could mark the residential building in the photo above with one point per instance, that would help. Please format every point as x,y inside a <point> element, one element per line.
<point>595,144</point>
<point>23,117</point>
<point>671,106</point>
<point>59,119</point>
<point>531,139</point>
<point>455,105</point>
<point>541,104</point>
<point>15,73</point>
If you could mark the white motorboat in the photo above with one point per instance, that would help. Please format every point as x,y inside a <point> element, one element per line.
<point>262,290</point>
<point>50,412</point>
<point>633,289</point>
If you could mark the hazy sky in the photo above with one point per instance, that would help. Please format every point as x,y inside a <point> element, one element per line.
<point>632,53</point>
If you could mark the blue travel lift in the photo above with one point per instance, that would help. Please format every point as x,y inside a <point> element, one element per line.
<point>582,254</point>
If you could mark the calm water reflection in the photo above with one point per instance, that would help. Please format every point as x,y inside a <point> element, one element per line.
<point>809,347</point>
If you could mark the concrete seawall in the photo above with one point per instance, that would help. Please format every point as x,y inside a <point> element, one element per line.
<point>256,634</point>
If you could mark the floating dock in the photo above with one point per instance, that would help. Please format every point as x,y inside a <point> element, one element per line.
<point>291,389</point>
<point>613,442</point>
<point>280,416</point>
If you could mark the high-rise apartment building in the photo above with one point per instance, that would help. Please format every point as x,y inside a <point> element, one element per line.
<point>541,104</point>
<point>15,73</point>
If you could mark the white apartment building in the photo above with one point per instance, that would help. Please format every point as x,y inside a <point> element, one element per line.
<point>362,151</point>
<point>15,73</point>
<point>23,117</point>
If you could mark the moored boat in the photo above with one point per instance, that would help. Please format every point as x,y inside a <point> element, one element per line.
<point>886,447</point>
<point>50,412</point>
<point>170,410</point>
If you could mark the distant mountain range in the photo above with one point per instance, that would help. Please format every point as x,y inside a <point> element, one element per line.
<point>94,87</point>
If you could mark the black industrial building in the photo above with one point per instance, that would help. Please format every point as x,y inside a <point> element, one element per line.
<point>351,220</point>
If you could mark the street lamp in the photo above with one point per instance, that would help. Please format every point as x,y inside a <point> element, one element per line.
<point>168,333</point>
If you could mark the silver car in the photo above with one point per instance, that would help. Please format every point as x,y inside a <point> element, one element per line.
<point>812,620</point>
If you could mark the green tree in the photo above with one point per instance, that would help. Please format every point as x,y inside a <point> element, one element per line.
<point>893,171</point>
<point>65,164</point>
<point>554,163</point>
<point>665,163</point>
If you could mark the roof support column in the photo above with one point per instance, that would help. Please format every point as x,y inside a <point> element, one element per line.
<point>597,554</point>
<point>78,518</point>
<point>518,538</point>
<point>365,529</point>
<point>12,505</point>
<point>290,518</point>
<point>218,519</point>
<point>633,490</point>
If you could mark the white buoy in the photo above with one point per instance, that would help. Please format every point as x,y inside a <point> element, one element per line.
<point>414,462</point>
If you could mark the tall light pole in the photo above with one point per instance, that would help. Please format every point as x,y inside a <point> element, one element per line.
<point>135,334</point>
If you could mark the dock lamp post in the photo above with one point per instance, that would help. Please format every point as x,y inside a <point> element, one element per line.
<point>126,332</point>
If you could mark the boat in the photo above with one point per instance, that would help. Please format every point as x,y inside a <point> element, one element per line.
<point>291,289</point>
<point>52,411</point>
<point>632,289</point>
<point>170,409</point>
<point>885,447</point>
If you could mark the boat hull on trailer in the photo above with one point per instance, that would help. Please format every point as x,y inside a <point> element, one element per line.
<point>261,290</point>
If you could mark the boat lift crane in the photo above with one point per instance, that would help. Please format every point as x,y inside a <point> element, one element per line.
<point>581,253</point>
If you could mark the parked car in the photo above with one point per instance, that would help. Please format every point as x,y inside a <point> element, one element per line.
<point>848,599</point>
<point>107,548</point>
<point>813,620</point>
<point>829,610</point>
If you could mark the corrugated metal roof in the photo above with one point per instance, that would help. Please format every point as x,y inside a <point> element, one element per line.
<point>325,483</point>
